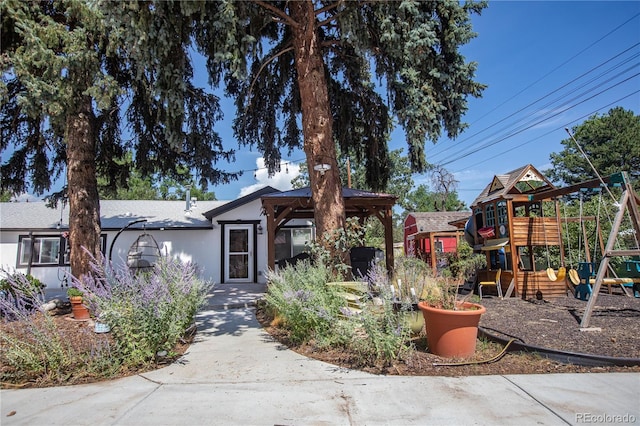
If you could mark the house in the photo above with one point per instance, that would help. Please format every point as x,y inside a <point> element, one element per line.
<point>230,241</point>
<point>516,223</point>
<point>226,239</point>
<point>428,235</point>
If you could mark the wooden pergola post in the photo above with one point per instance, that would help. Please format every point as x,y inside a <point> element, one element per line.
<point>282,207</point>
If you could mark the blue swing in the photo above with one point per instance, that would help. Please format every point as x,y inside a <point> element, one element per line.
<point>586,271</point>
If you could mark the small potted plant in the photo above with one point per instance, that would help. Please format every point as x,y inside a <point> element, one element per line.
<point>80,311</point>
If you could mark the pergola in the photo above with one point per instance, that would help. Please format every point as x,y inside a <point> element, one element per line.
<point>281,207</point>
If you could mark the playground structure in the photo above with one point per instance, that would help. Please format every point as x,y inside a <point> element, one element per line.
<point>511,229</point>
<point>509,224</point>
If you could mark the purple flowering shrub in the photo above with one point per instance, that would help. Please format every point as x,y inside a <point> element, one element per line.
<point>40,349</point>
<point>300,296</point>
<point>148,312</point>
<point>312,310</point>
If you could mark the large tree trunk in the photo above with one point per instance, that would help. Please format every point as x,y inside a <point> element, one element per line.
<point>317,122</point>
<point>84,204</point>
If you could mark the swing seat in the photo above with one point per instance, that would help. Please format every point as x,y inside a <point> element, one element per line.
<point>586,270</point>
<point>583,291</point>
<point>574,277</point>
<point>560,276</point>
<point>632,268</point>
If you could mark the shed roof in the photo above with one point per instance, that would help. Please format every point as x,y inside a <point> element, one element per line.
<point>438,221</point>
<point>114,214</point>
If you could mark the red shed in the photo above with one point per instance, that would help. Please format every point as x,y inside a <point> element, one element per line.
<point>426,233</point>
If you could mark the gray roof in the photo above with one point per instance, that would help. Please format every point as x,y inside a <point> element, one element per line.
<point>114,214</point>
<point>346,193</point>
<point>438,221</point>
<point>210,214</point>
<point>505,184</point>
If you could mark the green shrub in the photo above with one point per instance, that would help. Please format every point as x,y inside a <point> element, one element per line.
<point>147,312</point>
<point>21,284</point>
<point>308,306</point>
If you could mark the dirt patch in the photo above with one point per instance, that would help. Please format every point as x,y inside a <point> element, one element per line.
<point>548,324</point>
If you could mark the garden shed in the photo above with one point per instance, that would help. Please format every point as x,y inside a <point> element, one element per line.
<point>429,235</point>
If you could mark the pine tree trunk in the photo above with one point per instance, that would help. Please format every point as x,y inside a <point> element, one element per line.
<point>84,204</point>
<point>317,122</point>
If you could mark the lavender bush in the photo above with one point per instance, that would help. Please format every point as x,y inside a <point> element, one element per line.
<point>300,296</point>
<point>147,312</point>
<point>37,348</point>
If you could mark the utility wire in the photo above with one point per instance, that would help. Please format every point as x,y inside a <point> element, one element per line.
<point>551,131</point>
<point>534,113</point>
<point>531,124</point>
<point>557,67</point>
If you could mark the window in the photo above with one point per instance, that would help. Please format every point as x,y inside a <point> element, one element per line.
<point>47,250</point>
<point>502,213</point>
<point>439,246</point>
<point>490,215</point>
<point>291,242</point>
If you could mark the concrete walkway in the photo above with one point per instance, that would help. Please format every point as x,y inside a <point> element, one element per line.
<point>235,374</point>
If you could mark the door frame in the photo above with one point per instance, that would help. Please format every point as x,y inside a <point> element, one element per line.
<point>225,225</point>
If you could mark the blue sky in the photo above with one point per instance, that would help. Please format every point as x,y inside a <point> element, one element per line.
<point>547,65</point>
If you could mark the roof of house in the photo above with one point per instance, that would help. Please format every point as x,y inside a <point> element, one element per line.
<point>506,184</point>
<point>114,214</point>
<point>438,221</point>
<point>346,193</point>
<point>210,214</point>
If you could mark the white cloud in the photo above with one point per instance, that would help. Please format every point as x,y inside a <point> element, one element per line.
<point>281,180</point>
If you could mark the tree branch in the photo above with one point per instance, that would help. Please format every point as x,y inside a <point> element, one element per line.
<point>267,62</point>
<point>326,9</point>
<point>279,14</point>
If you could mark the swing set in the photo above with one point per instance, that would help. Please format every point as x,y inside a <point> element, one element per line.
<point>590,275</point>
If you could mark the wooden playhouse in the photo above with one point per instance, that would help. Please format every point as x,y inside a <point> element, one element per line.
<point>517,233</point>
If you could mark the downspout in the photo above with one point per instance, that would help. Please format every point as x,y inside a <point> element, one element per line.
<point>32,244</point>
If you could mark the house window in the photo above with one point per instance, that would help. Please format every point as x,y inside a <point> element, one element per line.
<point>490,215</point>
<point>47,250</point>
<point>439,246</point>
<point>291,242</point>
<point>502,213</point>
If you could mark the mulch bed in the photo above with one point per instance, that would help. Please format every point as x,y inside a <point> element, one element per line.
<point>549,324</point>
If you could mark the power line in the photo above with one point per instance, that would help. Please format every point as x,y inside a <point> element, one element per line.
<point>551,93</point>
<point>556,68</point>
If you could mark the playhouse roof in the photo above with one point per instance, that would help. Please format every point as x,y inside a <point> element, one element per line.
<point>524,180</point>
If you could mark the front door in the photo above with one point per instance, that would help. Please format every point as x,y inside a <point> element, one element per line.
<point>239,253</point>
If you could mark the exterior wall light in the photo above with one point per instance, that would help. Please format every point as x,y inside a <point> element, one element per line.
<point>322,168</point>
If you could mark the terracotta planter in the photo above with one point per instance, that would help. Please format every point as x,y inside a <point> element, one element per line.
<point>452,333</point>
<point>80,312</point>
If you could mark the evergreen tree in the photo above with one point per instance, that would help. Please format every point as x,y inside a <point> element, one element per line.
<point>320,63</point>
<point>612,144</point>
<point>71,70</point>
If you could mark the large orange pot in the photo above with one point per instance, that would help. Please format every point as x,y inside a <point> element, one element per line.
<point>452,333</point>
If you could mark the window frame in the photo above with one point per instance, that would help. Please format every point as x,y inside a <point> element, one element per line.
<point>62,256</point>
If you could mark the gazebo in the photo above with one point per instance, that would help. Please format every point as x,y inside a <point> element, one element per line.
<point>281,207</point>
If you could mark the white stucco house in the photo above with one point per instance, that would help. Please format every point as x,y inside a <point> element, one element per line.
<point>226,239</point>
